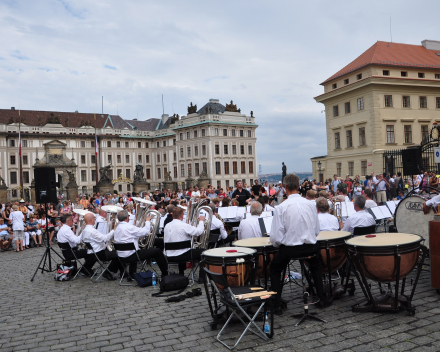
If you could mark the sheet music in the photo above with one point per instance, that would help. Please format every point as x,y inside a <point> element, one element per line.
<point>344,210</point>
<point>391,206</point>
<point>131,219</point>
<point>377,212</point>
<point>241,211</point>
<point>350,208</point>
<point>267,224</point>
<point>162,221</point>
<point>248,208</point>
<point>266,214</point>
<point>228,212</point>
<point>385,211</point>
<point>102,227</point>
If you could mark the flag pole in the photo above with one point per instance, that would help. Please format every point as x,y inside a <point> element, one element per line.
<point>96,151</point>
<point>19,154</point>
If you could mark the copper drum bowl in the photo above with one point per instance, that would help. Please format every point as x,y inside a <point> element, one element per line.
<point>377,254</point>
<point>224,260</point>
<point>337,252</point>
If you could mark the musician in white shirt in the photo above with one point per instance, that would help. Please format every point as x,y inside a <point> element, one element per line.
<point>126,233</point>
<point>195,193</point>
<point>432,203</point>
<point>264,200</point>
<point>250,227</point>
<point>369,202</point>
<point>294,229</point>
<point>327,222</point>
<point>359,219</point>
<point>178,231</point>
<point>98,242</point>
<point>216,224</point>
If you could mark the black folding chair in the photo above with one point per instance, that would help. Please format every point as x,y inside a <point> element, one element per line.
<point>126,262</point>
<point>367,230</point>
<point>65,248</point>
<point>228,296</point>
<point>104,264</point>
<point>213,238</point>
<point>173,246</point>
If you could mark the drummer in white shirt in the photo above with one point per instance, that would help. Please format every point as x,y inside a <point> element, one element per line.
<point>327,222</point>
<point>359,219</point>
<point>432,203</point>
<point>250,227</point>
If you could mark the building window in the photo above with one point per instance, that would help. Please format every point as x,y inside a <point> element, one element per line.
<point>119,172</point>
<point>157,144</point>
<point>25,176</point>
<point>203,132</point>
<point>147,158</point>
<point>181,152</point>
<point>127,158</point>
<point>92,144</point>
<point>12,142</point>
<point>109,159</point>
<point>217,149</point>
<point>386,72</point>
<point>351,167</point>
<point>437,76</point>
<point>243,167</point>
<point>226,167</point>
<point>140,158</point>
<point>196,169</point>
<point>83,159</point>
<point>225,149</point>
<point>234,167</point>
<point>93,159</point>
<point>189,169</point>
<point>349,139</point>
<point>127,173</point>
<point>421,75</point>
<point>225,132</point>
<point>423,102</point>
<point>338,169</point>
<point>362,136</point>
<point>148,173</point>
<point>241,133</point>
<point>363,167</point>
<point>182,170</point>
<point>359,76</point>
<point>118,144</point>
<point>205,166</point>
<point>12,159</point>
<point>217,168</point>
<point>164,157</point>
<point>24,143</point>
<point>158,158</point>
<point>195,134</point>
<point>335,111</point>
<point>188,135</point>
<point>425,133</point>
<point>360,102</point>
<point>346,81</point>
<point>126,144</point>
<point>227,183</point>
<point>389,101</point>
<point>188,150</point>
<point>175,171</point>
<point>250,150</point>
<point>437,102</point>
<point>406,101</point>
<point>164,143</point>
<point>390,133</point>
<point>83,176</point>
<point>159,176</point>
<point>174,141</point>
<point>249,133</point>
<point>251,167</point>
<point>83,144</point>
<point>196,150</point>
<point>334,85</point>
<point>215,131</point>
<point>139,144</point>
<point>242,149</point>
<point>25,159</point>
<point>403,74</point>
<point>119,160</point>
<point>234,149</point>
<point>13,177</point>
<point>347,107</point>
<point>181,136</point>
<point>203,149</point>
<point>120,188</point>
<point>337,141</point>
<point>93,175</point>
<point>233,133</point>
<point>408,133</point>
<point>109,144</point>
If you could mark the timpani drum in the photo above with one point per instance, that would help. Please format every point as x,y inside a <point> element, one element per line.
<point>409,217</point>
<point>236,264</point>
<point>264,248</point>
<point>377,255</point>
<point>334,241</point>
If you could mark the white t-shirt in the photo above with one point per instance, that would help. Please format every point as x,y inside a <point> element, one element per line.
<point>195,194</point>
<point>17,220</point>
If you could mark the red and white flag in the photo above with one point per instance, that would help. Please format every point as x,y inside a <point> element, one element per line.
<point>96,145</point>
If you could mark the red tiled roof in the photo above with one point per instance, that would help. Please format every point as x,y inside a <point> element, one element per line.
<point>392,54</point>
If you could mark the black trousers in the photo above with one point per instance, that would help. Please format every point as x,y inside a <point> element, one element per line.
<point>114,266</point>
<point>158,243</point>
<point>145,254</point>
<point>283,257</point>
<point>196,254</point>
<point>80,253</point>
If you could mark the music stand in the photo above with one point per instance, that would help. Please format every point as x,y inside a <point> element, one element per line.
<point>46,259</point>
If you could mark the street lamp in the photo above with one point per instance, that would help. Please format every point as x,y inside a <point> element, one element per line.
<point>319,166</point>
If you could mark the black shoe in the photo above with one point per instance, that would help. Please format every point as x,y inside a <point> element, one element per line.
<point>278,311</point>
<point>108,276</point>
<point>324,303</point>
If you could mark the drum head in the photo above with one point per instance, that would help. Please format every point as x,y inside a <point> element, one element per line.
<point>332,235</point>
<point>409,216</point>
<point>384,240</point>
<point>253,242</point>
<point>228,252</point>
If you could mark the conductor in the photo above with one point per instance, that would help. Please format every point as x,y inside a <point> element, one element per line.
<point>241,194</point>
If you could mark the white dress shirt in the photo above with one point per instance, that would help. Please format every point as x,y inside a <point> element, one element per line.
<point>65,234</point>
<point>267,207</point>
<point>126,233</point>
<point>359,219</point>
<point>95,238</point>
<point>249,228</point>
<point>295,222</point>
<point>369,203</point>
<point>195,194</point>
<point>328,222</point>
<point>216,224</point>
<point>17,220</point>
<point>434,201</point>
<point>178,231</point>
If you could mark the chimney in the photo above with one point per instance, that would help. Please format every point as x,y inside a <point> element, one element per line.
<point>13,108</point>
<point>214,101</point>
<point>135,119</point>
<point>431,44</point>
<point>164,118</point>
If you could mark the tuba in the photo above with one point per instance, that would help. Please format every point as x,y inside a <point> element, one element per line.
<point>81,223</point>
<point>112,221</point>
<point>204,237</point>
<point>148,241</point>
<point>141,211</point>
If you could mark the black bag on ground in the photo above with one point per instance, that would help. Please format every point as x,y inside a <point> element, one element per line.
<point>144,279</point>
<point>172,282</point>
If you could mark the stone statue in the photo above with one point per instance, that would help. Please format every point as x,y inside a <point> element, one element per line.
<point>192,109</point>
<point>2,181</point>
<point>168,176</point>
<point>138,175</point>
<point>284,172</point>
<point>210,110</point>
<point>103,174</point>
<point>71,176</point>
<point>231,107</point>
<point>203,174</point>
<point>252,114</point>
<point>206,110</point>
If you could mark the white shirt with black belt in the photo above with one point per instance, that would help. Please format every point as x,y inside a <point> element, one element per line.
<point>65,234</point>
<point>178,231</point>
<point>96,239</point>
<point>126,233</point>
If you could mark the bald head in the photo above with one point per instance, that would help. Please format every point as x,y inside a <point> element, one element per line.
<point>103,213</point>
<point>89,219</point>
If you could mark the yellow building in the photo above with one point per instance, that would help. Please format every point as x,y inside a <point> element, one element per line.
<point>387,98</point>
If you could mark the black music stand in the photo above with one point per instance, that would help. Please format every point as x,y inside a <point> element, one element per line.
<point>46,260</point>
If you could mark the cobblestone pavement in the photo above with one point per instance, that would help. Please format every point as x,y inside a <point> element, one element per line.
<point>45,315</point>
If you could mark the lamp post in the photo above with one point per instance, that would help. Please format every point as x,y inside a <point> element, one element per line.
<point>319,166</point>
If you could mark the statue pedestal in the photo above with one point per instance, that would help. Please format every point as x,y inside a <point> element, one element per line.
<point>3,193</point>
<point>33,191</point>
<point>169,185</point>
<point>203,182</point>
<point>72,192</point>
<point>189,182</point>
<point>105,187</point>
<point>140,186</point>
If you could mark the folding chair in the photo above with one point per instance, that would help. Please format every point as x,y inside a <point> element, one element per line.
<point>104,264</point>
<point>228,297</point>
<point>172,246</point>
<point>125,262</point>
<point>359,231</point>
<point>65,248</point>
<point>213,238</point>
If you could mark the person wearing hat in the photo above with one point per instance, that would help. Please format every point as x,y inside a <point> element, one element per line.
<point>22,207</point>
<point>17,218</point>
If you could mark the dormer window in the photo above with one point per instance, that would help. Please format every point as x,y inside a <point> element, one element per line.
<point>334,85</point>
<point>346,81</point>
<point>386,72</point>
<point>359,76</point>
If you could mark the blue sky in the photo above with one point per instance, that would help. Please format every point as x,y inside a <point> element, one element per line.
<point>266,56</point>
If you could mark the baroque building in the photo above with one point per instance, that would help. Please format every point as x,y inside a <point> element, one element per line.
<point>386,99</point>
<point>216,138</point>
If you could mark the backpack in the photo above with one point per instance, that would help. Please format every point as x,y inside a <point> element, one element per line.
<point>64,272</point>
